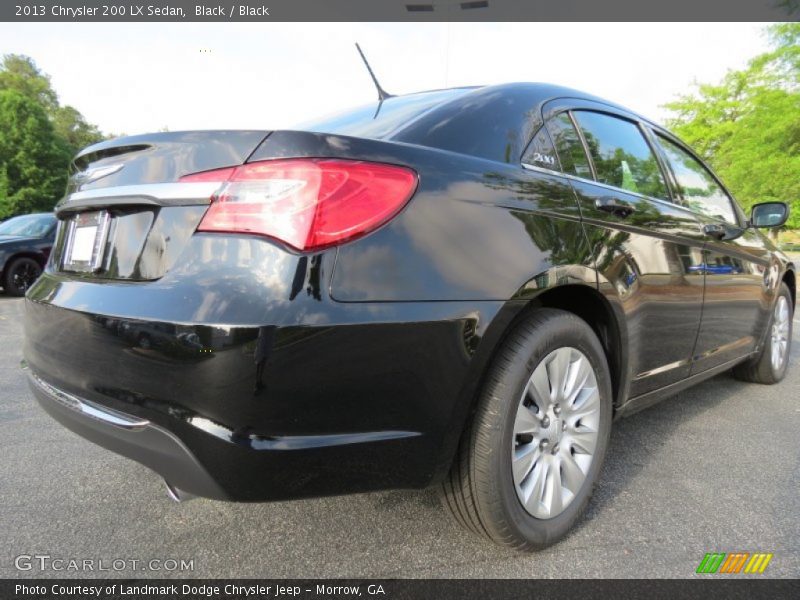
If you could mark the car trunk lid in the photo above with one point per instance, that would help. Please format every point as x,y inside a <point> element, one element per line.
<point>126,214</point>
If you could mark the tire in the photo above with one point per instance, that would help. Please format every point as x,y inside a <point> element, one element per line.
<point>770,365</point>
<point>483,491</point>
<point>20,274</point>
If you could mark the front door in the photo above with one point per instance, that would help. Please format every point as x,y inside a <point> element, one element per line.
<point>736,264</point>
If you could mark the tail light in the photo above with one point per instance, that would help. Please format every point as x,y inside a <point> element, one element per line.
<point>306,203</point>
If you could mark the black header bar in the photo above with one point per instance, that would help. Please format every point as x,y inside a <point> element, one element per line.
<point>392,589</point>
<point>397,10</point>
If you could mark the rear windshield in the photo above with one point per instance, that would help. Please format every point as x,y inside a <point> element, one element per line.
<point>370,121</point>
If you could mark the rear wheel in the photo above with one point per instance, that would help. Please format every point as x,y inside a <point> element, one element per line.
<point>770,366</point>
<point>531,456</point>
<point>21,274</point>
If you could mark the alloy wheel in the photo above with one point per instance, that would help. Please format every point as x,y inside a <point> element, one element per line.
<point>780,333</point>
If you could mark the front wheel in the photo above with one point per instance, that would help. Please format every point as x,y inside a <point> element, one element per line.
<point>532,454</point>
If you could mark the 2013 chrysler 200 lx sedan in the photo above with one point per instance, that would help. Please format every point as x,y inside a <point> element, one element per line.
<point>461,287</point>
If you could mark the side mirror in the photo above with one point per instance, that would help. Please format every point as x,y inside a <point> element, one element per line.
<point>769,214</point>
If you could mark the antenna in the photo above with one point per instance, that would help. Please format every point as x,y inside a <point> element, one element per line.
<point>382,94</point>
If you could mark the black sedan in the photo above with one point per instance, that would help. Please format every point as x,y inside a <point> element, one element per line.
<point>25,244</point>
<point>461,287</point>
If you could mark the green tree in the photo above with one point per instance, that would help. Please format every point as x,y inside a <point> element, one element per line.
<point>70,125</point>
<point>748,125</point>
<point>21,74</point>
<point>33,159</point>
<point>38,137</point>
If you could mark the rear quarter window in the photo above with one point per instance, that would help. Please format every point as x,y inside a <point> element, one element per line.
<point>540,152</point>
<point>568,146</point>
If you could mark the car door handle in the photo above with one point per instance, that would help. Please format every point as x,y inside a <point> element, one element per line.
<point>715,230</point>
<point>615,206</point>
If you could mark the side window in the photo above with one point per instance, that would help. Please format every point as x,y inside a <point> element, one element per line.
<point>698,188</point>
<point>621,155</point>
<point>568,146</point>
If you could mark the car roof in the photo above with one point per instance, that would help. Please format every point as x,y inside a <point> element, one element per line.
<point>495,122</point>
<point>538,91</point>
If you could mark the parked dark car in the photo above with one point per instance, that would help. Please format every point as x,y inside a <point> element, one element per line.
<point>25,244</point>
<point>460,287</point>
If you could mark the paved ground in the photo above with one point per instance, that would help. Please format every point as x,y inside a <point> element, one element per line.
<point>716,468</point>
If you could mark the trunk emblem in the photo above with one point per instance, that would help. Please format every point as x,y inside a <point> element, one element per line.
<point>90,175</point>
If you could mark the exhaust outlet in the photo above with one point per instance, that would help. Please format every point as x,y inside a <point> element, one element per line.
<point>177,495</point>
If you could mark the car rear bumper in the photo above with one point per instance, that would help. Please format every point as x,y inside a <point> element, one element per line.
<point>352,398</point>
<point>129,436</point>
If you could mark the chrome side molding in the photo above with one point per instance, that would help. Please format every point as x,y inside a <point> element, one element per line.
<point>86,407</point>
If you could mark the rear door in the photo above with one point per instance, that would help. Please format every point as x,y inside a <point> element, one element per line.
<point>736,260</point>
<point>647,249</point>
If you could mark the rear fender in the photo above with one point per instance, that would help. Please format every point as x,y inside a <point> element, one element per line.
<point>538,291</point>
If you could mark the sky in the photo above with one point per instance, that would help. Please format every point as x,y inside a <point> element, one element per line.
<point>139,77</point>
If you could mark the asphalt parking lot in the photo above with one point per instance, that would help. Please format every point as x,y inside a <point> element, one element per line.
<point>716,468</point>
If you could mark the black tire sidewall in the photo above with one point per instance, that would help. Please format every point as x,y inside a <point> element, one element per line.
<point>561,330</point>
<point>8,284</point>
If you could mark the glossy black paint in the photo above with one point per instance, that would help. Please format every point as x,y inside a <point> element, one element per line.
<point>355,368</point>
<point>144,241</point>
<point>639,261</point>
<point>159,157</point>
<point>738,302</point>
<point>258,399</point>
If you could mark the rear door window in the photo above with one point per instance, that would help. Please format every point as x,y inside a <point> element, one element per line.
<point>699,190</point>
<point>621,155</point>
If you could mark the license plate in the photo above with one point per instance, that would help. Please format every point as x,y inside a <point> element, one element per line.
<point>86,240</point>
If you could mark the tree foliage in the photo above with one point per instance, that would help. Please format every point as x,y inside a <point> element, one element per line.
<point>38,136</point>
<point>21,74</point>
<point>33,160</point>
<point>748,125</point>
<point>70,125</point>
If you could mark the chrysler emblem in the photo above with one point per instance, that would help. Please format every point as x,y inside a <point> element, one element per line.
<point>90,175</point>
